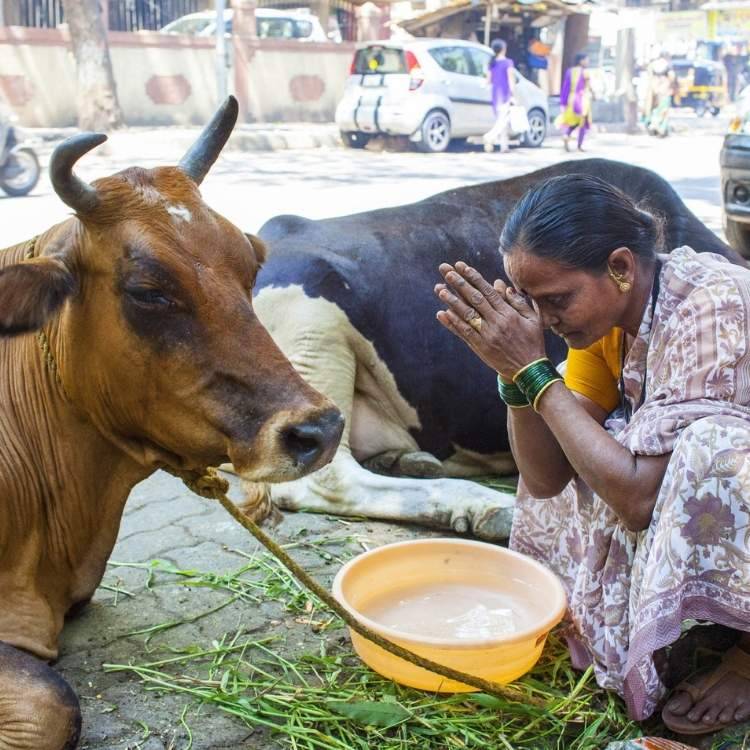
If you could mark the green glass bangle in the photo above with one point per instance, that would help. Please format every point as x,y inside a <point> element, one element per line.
<point>511,394</point>
<point>534,379</point>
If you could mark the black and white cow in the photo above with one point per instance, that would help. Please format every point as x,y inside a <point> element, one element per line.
<point>350,302</point>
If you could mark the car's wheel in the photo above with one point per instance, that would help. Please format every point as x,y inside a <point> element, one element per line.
<point>355,139</point>
<point>537,132</point>
<point>738,236</point>
<point>436,132</point>
<point>715,111</point>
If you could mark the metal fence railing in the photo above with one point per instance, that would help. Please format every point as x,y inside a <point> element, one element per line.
<point>123,15</point>
<point>136,15</point>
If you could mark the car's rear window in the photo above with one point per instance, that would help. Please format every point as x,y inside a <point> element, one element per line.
<point>381,60</point>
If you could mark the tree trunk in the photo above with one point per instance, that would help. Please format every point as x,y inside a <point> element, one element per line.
<point>624,73</point>
<point>97,105</point>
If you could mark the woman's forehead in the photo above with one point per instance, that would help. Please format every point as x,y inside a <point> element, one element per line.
<point>526,267</point>
<point>538,276</point>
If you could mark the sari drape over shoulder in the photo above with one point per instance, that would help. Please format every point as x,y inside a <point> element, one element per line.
<point>629,592</point>
<point>575,99</point>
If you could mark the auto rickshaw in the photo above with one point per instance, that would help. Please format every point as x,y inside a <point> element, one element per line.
<point>701,84</point>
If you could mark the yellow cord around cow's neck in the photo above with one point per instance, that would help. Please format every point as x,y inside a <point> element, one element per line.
<point>208,484</point>
<point>41,336</point>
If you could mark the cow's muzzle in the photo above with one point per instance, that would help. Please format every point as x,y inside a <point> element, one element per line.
<point>289,445</point>
<point>311,444</point>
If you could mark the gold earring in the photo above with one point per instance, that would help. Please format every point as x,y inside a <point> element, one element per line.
<point>623,285</point>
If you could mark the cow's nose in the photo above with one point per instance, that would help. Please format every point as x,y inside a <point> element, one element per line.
<point>314,441</point>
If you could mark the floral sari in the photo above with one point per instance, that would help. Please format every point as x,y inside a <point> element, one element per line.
<point>630,592</point>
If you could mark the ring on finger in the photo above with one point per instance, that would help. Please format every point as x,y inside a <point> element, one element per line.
<point>476,323</point>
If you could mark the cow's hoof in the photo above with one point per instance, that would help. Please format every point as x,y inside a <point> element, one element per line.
<point>420,464</point>
<point>493,524</point>
<point>38,709</point>
<point>383,463</point>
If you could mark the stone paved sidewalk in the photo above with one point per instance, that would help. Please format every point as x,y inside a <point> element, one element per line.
<point>165,521</point>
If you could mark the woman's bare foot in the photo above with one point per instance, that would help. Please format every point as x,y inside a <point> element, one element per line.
<point>715,699</point>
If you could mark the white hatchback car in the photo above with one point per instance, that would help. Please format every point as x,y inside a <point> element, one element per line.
<point>432,90</point>
<point>270,24</point>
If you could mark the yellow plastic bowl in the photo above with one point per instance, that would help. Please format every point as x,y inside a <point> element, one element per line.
<point>441,584</point>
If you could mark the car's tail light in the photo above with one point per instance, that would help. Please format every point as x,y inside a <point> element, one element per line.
<point>353,66</point>
<point>416,77</point>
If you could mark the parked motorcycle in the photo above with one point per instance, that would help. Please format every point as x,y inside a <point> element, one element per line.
<point>19,165</point>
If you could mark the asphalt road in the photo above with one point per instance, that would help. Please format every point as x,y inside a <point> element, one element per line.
<point>251,187</point>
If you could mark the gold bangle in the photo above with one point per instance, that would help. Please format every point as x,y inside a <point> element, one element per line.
<point>526,367</point>
<point>541,393</point>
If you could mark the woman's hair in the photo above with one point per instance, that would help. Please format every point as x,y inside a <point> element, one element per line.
<point>577,221</point>
<point>498,46</point>
<point>579,58</point>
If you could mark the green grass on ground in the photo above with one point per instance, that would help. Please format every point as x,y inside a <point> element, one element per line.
<point>325,698</point>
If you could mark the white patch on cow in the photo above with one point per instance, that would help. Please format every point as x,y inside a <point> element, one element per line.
<point>335,358</point>
<point>181,213</point>
<point>149,194</point>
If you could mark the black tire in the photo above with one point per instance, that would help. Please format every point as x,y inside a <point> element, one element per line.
<point>355,139</point>
<point>738,236</point>
<point>537,132</point>
<point>436,132</point>
<point>22,184</point>
<point>715,111</point>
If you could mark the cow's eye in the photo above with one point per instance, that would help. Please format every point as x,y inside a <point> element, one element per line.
<point>148,296</point>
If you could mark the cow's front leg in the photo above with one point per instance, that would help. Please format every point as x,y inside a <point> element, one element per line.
<point>345,488</point>
<point>38,709</point>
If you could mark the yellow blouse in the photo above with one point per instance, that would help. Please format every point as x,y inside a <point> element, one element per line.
<point>595,372</point>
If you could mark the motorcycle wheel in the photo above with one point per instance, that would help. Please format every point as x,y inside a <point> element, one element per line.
<point>24,181</point>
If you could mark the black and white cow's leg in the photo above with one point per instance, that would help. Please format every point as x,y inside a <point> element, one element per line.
<point>38,709</point>
<point>346,488</point>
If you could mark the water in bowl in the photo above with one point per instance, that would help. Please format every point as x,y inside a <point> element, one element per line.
<point>450,611</point>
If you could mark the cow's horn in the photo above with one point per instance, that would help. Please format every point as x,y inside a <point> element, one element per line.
<point>204,152</point>
<point>74,192</point>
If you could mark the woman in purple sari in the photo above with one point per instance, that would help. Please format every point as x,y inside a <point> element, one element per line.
<point>635,467</point>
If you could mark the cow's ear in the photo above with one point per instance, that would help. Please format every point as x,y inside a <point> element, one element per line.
<point>261,251</point>
<point>31,293</point>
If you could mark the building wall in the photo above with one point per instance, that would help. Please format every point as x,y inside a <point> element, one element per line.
<point>166,80</point>
<point>282,82</point>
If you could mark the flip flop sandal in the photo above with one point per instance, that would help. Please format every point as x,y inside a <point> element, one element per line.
<point>736,661</point>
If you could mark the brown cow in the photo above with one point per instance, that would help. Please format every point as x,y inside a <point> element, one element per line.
<point>120,353</point>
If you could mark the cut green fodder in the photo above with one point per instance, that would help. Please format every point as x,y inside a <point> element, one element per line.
<point>330,700</point>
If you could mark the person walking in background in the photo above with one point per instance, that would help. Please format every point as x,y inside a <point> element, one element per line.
<point>575,99</point>
<point>663,88</point>
<point>501,81</point>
